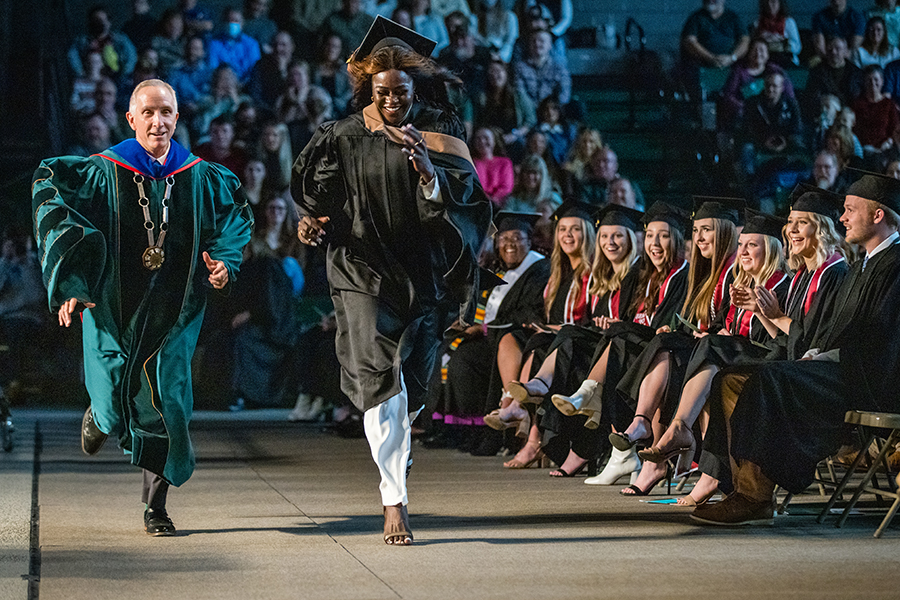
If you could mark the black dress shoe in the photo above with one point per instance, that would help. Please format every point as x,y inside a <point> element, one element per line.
<point>157,522</point>
<point>92,438</point>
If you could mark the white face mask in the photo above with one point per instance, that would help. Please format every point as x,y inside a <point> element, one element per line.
<point>489,3</point>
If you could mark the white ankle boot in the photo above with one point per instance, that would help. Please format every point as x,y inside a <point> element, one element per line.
<point>621,463</point>
<point>572,405</point>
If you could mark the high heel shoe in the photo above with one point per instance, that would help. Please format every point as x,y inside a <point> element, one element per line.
<point>623,442</point>
<point>588,401</point>
<point>515,463</point>
<point>684,451</point>
<point>521,392</point>
<point>559,472</point>
<point>636,491</point>
<point>502,419</point>
<point>620,464</point>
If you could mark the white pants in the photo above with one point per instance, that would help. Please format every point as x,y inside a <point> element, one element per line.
<point>388,431</point>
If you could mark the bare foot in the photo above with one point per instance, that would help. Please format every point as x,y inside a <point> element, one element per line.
<point>649,476</point>
<point>573,464</point>
<point>639,429</point>
<point>523,459</point>
<point>705,488</point>
<point>396,526</point>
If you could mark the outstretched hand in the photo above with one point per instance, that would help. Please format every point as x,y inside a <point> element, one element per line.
<point>218,273</point>
<point>67,308</point>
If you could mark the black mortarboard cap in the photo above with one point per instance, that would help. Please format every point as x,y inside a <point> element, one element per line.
<point>809,198</point>
<point>879,188</point>
<point>674,216</point>
<point>574,208</point>
<point>766,224</point>
<point>613,214</point>
<point>515,221</point>
<point>385,32</point>
<point>714,207</point>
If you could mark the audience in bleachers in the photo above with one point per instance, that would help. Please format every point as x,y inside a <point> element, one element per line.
<point>779,30</point>
<point>875,48</point>
<point>837,19</point>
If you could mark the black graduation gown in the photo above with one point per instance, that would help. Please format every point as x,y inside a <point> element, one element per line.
<point>395,259</point>
<point>473,363</point>
<point>790,414</point>
<point>811,297</point>
<point>679,344</point>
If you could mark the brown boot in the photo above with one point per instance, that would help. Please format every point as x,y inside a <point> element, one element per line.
<point>735,510</point>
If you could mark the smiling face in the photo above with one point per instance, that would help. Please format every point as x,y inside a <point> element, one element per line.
<point>801,234</point>
<point>512,247</point>
<point>393,94</point>
<point>873,83</point>
<point>752,253</point>
<point>152,115</point>
<point>657,240</point>
<point>622,193</point>
<point>570,235</point>
<point>613,240</point>
<point>758,55</point>
<point>704,237</point>
<point>858,218</point>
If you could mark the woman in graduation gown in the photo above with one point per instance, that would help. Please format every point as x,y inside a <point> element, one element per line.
<point>393,192</point>
<point>564,439</point>
<point>736,337</point>
<point>816,253</point>
<point>469,355</point>
<point>565,303</point>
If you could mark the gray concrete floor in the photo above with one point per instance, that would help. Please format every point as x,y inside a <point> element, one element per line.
<point>277,510</point>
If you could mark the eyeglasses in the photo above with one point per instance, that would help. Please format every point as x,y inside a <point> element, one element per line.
<point>510,238</point>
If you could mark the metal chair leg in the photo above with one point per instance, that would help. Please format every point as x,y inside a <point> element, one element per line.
<point>867,478</point>
<point>846,479</point>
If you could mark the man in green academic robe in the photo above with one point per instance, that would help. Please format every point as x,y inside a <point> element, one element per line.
<point>134,236</point>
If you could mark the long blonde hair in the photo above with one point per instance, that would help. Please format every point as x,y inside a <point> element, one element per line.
<point>773,261</point>
<point>828,241</point>
<point>559,262</point>
<point>607,277</point>
<point>704,273</point>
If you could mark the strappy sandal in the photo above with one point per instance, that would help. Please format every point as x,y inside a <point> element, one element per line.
<point>399,537</point>
<point>515,463</point>
<point>623,442</point>
<point>520,392</point>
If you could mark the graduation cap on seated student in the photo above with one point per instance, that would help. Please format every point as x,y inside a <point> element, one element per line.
<point>384,32</point>
<point>719,207</point>
<point>506,220</point>
<point>574,208</point>
<point>674,216</point>
<point>614,214</point>
<point>883,189</point>
<point>809,198</point>
<point>766,224</point>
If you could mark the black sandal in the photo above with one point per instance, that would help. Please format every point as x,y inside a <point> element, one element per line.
<point>622,442</point>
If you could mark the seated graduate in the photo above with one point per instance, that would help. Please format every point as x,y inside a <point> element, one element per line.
<point>739,337</point>
<point>803,403</point>
<point>654,378</point>
<point>564,438</point>
<point>816,254</point>
<point>660,290</point>
<point>469,355</point>
<point>565,303</point>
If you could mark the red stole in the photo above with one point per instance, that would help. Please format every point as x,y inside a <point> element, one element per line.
<point>813,288</point>
<point>738,321</point>
<point>642,317</point>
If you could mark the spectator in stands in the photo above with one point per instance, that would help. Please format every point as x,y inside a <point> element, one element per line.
<point>712,37</point>
<point>169,42</point>
<point>147,66</point>
<point>219,148</point>
<point>621,192</point>
<point>402,17</point>
<point>560,131</point>
<point>780,32</point>
<point>836,75</point>
<point>893,169</point>
<point>275,152</point>
<point>258,24</point>
<point>427,23</point>
<point>198,20</point>
<point>319,109</point>
<point>497,28</point>
<point>747,80</point>
<point>602,170</point>
<point>540,75</point>
<point>291,105</point>
<point>105,105</point>
<point>464,57</point>
<point>268,80</point>
<point>246,126</point>
<point>586,143</point>
<point>119,55</point>
<point>875,49</point>
<point>93,136</point>
<point>349,23</point>
<point>772,124</point>
<point>840,141</point>
<point>192,79</point>
<point>233,47</point>
<point>84,88</point>
<point>330,73</point>
<point>837,20</point>
<point>828,174</point>
<point>252,178</point>
<point>536,145</point>
<point>141,26</point>
<point>829,107</point>
<point>504,106</point>
<point>877,118</point>
<point>442,8</point>
<point>890,12</point>
<point>533,191</point>
<point>223,99</point>
<point>495,170</point>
